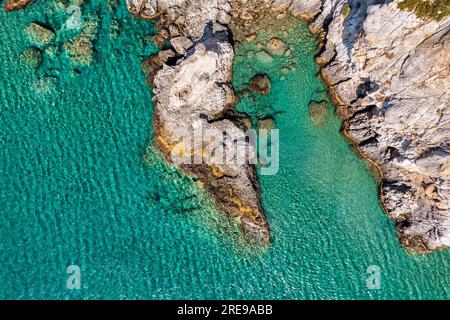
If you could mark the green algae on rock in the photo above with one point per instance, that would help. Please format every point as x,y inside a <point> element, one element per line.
<point>428,9</point>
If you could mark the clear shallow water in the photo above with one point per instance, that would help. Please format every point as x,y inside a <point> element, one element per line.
<point>75,189</point>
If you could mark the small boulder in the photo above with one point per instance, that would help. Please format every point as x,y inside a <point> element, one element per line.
<point>260,84</point>
<point>266,125</point>
<point>39,35</point>
<point>80,50</point>
<point>181,44</point>
<point>151,66</point>
<point>32,57</point>
<point>12,5</point>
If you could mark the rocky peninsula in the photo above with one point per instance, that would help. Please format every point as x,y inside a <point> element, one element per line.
<point>387,69</point>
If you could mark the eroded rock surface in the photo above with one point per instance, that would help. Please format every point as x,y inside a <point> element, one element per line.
<point>387,70</point>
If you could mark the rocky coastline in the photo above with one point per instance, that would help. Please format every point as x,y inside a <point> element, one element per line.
<point>386,65</point>
<point>387,73</point>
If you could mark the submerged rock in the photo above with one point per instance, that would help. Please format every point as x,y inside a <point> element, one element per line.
<point>318,112</point>
<point>266,125</point>
<point>387,71</point>
<point>264,57</point>
<point>32,57</point>
<point>80,50</point>
<point>114,28</point>
<point>52,51</point>
<point>90,27</point>
<point>39,35</point>
<point>44,85</point>
<point>260,84</point>
<point>277,46</point>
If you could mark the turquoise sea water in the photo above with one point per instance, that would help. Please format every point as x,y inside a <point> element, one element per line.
<point>75,189</point>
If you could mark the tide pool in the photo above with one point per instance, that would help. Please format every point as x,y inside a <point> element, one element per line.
<point>79,185</point>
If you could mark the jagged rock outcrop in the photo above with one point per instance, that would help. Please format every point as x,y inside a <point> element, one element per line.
<point>182,21</point>
<point>387,70</point>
